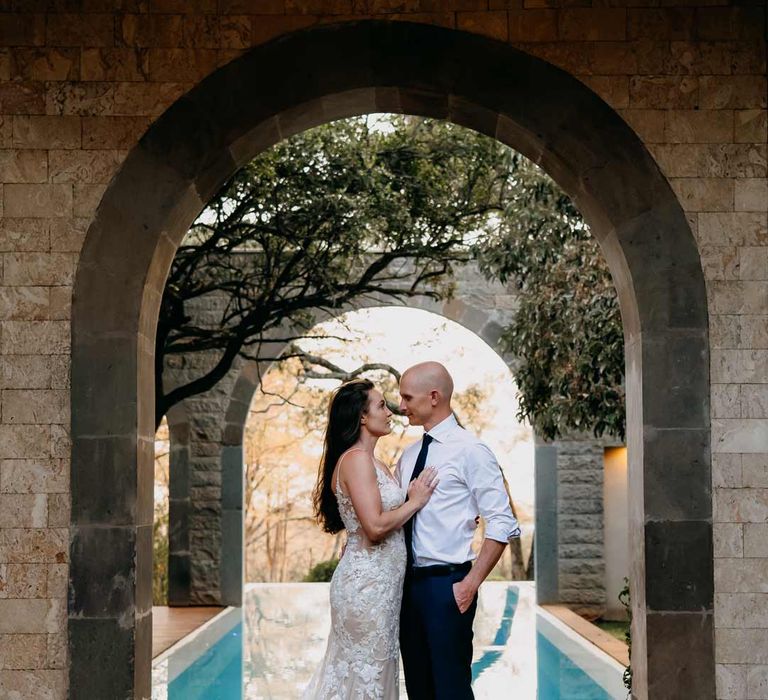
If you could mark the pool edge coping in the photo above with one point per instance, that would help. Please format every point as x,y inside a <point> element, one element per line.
<point>216,621</point>
<point>615,648</point>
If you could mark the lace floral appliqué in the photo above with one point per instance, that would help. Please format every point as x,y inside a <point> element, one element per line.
<point>362,658</point>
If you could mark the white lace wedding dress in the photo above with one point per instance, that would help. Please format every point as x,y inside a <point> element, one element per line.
<point>363,655</point>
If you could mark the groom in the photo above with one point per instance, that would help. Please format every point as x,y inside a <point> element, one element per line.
<point>441,581</point>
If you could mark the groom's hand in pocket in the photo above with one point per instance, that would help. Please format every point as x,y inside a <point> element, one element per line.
<point>464,592</point>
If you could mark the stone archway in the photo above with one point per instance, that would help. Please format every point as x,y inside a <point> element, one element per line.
<point>305,79</point>
<point>207,543</point>
<point>466,308</point>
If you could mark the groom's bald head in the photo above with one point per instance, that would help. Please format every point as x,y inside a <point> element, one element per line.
<point>431,376</point>
<point>426,390</point>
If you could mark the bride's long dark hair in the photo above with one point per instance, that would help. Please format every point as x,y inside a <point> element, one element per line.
<point>347,406</point>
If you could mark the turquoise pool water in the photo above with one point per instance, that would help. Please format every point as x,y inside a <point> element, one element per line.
<point>270,648</point>
<point>217,674</point>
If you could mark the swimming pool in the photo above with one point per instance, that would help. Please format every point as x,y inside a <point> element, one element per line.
<point>270,647</point>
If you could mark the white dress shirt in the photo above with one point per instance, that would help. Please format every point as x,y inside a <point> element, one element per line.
<point>470,484</point>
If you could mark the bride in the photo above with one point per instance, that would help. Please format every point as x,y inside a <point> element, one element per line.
<point>357,492</point>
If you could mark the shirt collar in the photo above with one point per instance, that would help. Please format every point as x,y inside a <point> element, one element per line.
<point>440,431</point>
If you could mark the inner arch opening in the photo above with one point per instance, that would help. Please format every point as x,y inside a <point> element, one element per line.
<point>283,440</point>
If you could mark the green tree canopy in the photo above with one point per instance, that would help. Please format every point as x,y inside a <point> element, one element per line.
<point>358,209</point>
<point>326,218</point>
<point>567,333</point>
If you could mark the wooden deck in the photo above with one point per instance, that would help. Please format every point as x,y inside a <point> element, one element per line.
<point>169,625</point>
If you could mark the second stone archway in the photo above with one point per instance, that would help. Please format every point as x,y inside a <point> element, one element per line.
<point>207,432</point>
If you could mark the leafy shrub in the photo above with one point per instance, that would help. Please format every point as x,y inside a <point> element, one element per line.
<point>624,599</point>
<point>322,571</point>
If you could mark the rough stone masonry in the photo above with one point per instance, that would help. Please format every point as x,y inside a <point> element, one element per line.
<point>82,80</point>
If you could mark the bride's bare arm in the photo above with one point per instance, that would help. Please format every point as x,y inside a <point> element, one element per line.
<point>359,481</point>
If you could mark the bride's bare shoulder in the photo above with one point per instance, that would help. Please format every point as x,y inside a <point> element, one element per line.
<point>354,460</point>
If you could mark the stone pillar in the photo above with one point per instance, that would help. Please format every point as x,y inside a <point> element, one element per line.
<point>205,513</point>
<point>569,538</point>
<point>205,559</point>
<point>580,528</point>
<point>232,570</point>
<point>179,565</point>
<point>545,533</point>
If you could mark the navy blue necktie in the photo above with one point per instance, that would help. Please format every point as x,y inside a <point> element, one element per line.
<point>421,460</point>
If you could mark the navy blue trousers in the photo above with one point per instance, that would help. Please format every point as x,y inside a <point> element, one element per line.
<point>436,639</point>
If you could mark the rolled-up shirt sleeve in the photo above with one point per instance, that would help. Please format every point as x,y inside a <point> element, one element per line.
<point>484,478</point>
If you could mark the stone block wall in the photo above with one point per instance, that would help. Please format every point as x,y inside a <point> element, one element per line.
<point>81,81</point>
<point>581,561</point>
